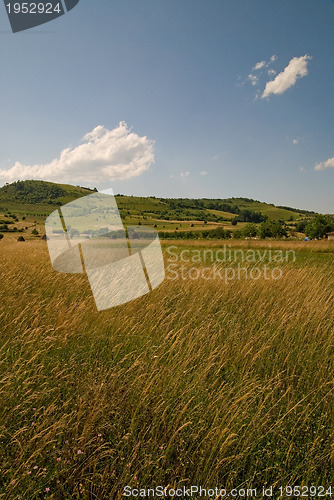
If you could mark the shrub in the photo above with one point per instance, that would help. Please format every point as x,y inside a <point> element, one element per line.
<point>249,231</point>
<point>20,238</point>
<point>272,229</point>
<point>319,227</point>
<point>237,234</point>
<point>250,216</point>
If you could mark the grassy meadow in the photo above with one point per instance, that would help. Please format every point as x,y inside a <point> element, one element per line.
<point>197,383</point>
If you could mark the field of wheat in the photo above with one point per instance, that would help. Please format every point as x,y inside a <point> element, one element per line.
<point>196,383</point>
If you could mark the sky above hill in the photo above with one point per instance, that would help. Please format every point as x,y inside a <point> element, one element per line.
<point>189,98</point>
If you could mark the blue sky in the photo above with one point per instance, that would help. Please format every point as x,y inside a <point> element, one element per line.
<point>161,92</point>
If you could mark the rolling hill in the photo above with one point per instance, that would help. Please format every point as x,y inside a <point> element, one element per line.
<point>26,204</point>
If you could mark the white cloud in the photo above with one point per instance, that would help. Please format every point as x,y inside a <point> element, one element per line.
<point>253,79</point>
<point>104,155</point>
<point>184,174</point>
<point>297,68</point>
<point>259,65</point>
<point>325,164</point>
<point>204,172</point>
<point>295,141</point>
<point>264,64</point>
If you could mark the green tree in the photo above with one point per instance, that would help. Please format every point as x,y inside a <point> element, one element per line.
<point>300,226</point>
<point>265,230</point>
<point>272,229</point>
<point>250,230</point>
<point>319,226</point>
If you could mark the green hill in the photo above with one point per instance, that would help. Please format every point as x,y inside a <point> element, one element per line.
<point>26,204</point>
<point>38,198</point>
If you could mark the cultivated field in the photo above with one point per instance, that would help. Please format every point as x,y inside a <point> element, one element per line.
<point>197,383</point>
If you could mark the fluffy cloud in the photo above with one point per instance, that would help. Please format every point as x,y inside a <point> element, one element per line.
<point>184,174</point>
<point>297,68</point>
<point>204,172</point>
<point>325,164</point>
<point>104,155</point>
<point>259,65</point>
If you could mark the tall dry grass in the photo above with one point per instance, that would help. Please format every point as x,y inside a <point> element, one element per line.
<point>196,383</point>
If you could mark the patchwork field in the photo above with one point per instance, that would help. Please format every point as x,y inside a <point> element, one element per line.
<point>24,205</point>
<point>197,383</point>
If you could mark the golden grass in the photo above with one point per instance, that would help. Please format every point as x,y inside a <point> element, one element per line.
<point>196,383</point>
<point>309,246</point>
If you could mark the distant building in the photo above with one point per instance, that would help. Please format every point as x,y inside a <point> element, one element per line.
<point>331,235</point>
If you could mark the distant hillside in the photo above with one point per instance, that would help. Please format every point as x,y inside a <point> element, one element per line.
<point>214,210</point>
<point>38,199</point>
